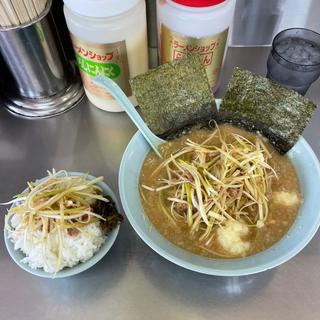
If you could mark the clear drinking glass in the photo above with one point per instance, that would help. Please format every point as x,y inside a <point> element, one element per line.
<point>294,60</point>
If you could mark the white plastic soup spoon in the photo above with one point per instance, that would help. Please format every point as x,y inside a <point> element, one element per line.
<point>128,107</point>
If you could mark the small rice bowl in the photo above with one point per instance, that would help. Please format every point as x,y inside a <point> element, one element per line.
<point>75,248</point>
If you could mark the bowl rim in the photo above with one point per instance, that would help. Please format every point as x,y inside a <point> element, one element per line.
<point>205,269</point>
<point>81,266</point>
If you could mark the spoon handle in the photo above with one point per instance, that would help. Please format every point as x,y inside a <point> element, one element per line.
<point>128,107</point>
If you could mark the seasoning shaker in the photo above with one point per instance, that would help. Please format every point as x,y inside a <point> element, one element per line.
<point>195,26</point>
<point>109,39</point>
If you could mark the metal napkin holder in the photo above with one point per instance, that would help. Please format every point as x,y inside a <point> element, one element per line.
<point>44,82</point>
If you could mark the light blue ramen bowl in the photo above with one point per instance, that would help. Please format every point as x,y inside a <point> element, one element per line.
<point>18,255</point>
<point>301,232</point>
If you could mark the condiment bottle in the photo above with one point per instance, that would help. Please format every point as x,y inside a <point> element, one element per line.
<point>195,26</point>
<point>109,38</point>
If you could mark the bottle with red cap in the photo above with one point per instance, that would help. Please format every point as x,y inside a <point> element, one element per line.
<point>195,26</point>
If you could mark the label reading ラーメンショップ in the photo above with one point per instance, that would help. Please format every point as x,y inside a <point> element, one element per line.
<point>211,50</point>
<point>109,60</point>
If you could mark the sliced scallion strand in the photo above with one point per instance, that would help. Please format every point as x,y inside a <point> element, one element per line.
<point>227,178</point>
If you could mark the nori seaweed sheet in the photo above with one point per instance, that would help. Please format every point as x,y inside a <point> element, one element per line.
<point>174,96</point>
<point>257,103</point>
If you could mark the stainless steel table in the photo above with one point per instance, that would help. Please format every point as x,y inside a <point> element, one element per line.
<point>133,282</point>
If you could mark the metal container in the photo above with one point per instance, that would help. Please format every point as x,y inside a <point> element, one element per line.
<point>44,83</point>
<point>151,6</point>
<point>256,21</point>
<point>152,32</point>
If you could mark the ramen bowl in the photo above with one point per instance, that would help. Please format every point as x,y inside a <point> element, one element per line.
<point>303,229</point>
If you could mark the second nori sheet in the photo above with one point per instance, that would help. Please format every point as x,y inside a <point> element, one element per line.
<point>174,96</point>
<point>257,103</point>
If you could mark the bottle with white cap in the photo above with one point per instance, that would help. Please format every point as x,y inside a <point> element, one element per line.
<point>109,38</point>
<point>195,26</point>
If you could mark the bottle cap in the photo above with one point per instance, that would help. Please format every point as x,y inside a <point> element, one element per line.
<point>100,8</point>
<point>198,3</point>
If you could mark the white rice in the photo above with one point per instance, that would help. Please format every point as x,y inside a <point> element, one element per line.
<point>44,254</point>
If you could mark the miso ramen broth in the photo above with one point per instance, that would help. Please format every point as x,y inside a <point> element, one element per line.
<point>218,219</point>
